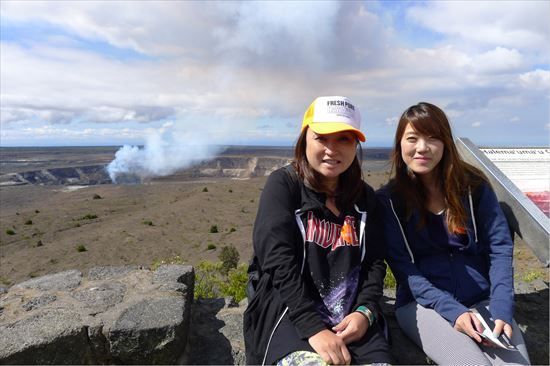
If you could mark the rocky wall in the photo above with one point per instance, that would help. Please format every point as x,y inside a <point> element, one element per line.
<point>120,315</point>
<point>128,315</point>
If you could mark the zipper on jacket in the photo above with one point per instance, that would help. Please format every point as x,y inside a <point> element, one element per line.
<point>402,231</point>
<point>298,216</point>
<point>471,202</point>
<point>271,336</point>
<point>362,227</point>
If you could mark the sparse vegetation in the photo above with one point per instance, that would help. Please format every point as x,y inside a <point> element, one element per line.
<point>36,211</point>
<point>531,276</point>
<point>229,257</point>
<point>148,222</point>
<point>205,189</point>
<point>211,282</point>
<point>28,222</point>
<point>232,230</point>
<point>4,281</point>
<point>214,229</point>
<point>81,248</point>
<point>96,197</point>
<point>39,243</point>
<point>230,190</point>
<point>10,232</point>
<point>389,280</point>
<point>211,246</point>
<point>157,262</point>
<point>88,217</point>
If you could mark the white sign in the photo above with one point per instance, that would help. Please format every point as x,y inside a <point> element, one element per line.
<point>528,169</point>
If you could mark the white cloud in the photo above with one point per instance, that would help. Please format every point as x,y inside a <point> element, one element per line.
<point>498,60</point>
<point>476,124</point>
<point>536,80</point>
<point>392,121</point>
<point>223,67</point>
<point>513,24</point>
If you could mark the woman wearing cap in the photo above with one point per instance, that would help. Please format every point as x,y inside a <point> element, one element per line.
<point>317,273</point>
<point>448,246</point>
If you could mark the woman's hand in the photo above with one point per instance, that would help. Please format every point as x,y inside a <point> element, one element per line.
<point>501,325</point>
<point>468,323</point>
<point>330,347</point>
<point>352,328</point>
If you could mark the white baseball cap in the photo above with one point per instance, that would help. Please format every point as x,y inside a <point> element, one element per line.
<point>333,114</point>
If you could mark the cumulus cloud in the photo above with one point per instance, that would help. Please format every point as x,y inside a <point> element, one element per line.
<point>498,60</point>
<point>535,80</point>
<point>232,66</point>
<point>513,24</point>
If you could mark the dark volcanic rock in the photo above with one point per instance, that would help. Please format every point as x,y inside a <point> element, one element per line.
<point>143,329</point>
<point>104,273</point>
<point>67,280</point>
<point>50,337</point>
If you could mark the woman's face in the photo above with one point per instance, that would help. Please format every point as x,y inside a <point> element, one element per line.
<point>332,154</point>
<point>421,153</point>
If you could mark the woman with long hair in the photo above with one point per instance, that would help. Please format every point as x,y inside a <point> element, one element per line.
<point>317,272</point>
<point>448,245</point>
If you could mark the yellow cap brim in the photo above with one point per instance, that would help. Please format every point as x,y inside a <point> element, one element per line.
<point>324,128</point>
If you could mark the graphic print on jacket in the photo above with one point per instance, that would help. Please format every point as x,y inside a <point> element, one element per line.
<point>334,260</point>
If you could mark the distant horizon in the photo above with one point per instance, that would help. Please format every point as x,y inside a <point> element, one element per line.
<point>364,146</point>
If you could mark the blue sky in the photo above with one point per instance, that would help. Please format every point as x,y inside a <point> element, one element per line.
<point>114,73</point>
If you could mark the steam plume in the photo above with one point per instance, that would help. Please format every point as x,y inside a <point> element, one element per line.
<point>164,153</point>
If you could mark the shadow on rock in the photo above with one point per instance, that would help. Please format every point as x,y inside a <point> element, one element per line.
<point>208,345</point>
<point>531,314</point>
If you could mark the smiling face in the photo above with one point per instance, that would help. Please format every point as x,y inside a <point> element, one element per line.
<point>421,153</point>
<point>331,154</point>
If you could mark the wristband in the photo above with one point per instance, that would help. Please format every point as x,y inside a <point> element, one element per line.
<point>367,313</point>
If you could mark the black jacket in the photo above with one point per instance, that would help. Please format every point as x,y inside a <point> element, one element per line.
<point>301,249</point>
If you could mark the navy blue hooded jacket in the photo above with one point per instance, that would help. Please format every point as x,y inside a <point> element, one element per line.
<point>446,278</point>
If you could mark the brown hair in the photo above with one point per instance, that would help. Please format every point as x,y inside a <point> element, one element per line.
<point>351,179</point>
<point>455,176</point>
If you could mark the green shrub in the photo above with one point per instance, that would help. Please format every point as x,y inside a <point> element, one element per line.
<point>5,281</point>
<point>88,217</point>
<point>81,248</point>
<point>28,222</point>
<point>211,246</point>
<point>148,222</point>
<point>210,282</point>
<point>10,232</point>
<point>531,276</point>
<point>205,189</point>
<point>229,256</point>
<point>389,280</point>
<point>230,190</point>
<point>236,283</point>
<point>214,229</point>
<point>232,230</point>
<point>207,281</point>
